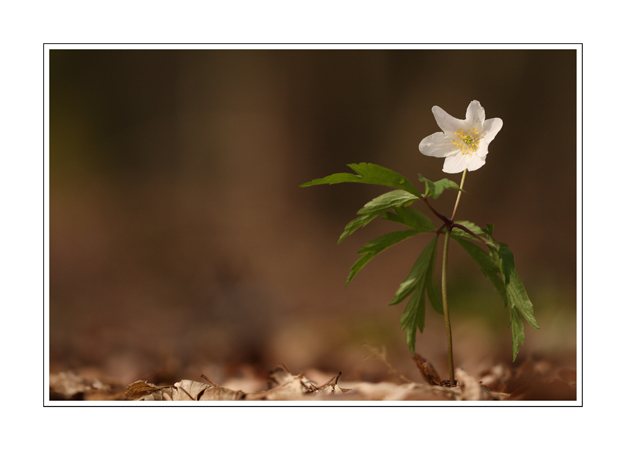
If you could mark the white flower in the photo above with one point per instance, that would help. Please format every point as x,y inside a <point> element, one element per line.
<point>463,142</point>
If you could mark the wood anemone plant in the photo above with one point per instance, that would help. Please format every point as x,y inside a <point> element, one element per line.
<point>463,144</point>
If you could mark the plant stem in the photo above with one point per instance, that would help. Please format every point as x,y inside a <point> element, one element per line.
<point>444,289</point>
<point>445,220</point>
<point>446,314</point>
<point>458,197</point>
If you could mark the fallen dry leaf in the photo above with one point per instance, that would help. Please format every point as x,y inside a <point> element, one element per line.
<point>496,378</point>
<point>531,380</point>
<point>141,388</point>
<point>188,390</point>
<point>387,391</point>
<point>70,386</point>
<point>284,386</point>
<point>471,389</point>
<point>184,390</point>
<point>331,387</point>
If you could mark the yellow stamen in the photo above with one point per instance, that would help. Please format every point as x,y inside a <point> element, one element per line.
<point>467,140</point>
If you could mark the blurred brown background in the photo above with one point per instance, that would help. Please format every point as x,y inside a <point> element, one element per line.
<point>181,243</point>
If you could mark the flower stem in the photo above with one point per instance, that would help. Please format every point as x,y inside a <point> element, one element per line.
<point>458,197</point>
<point>444,289</point>
<point>446,314</point>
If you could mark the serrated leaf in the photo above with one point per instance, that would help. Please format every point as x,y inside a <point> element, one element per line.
<point>436,188</point>
<point>410,217</point>
<point>376,207</point>
<point>519,303</point>
<point>376,246</point>
<point>518,298</point>
<point>387,201</point>
<point>384,242</point>
<point>355,224</point>
<point>413,317</point>
<point>369,174</point>
<point>470,226</point>
<point>417,276</point>
<point>457,232</point>
<point>414,314</point>
<point>434,294</point>
<point>359,265</point>
<point>488,266</point>
<point>517,331</point>
<point>508,262</point>
<point>515,291</point>
<point>393,217</point>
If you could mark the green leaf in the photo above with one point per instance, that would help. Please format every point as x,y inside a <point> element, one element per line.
<point>416,280</point>
<point>413,317</point>
<point>488,266</point>
<point>435,189</point>
<point>384,242</point>
<point>517,330</point>
<point>386,201</point>
<point>434,294</point>
<point>508,262</point>
<point>518,298</point>
<point>410,217</point>
<point>519,303</point>
<point>376,207</point>
<point>457,232</point>
<point>419,281</point>
<point>376,246</point>
<point>369,174</point>
<point>355,224</point>
<point>359,265</point>
<point>501,263</point>
<point>520,307</point>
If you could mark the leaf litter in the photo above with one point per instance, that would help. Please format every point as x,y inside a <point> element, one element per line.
<point>532,380</point>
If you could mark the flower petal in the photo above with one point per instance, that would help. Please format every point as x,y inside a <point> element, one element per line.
<point>475,115</point>
<point>491,127</point>
<point>437,145</point>
<point>455,163</point>
<point>460,149</point>
<point>446,122</point>
<point>483,149</point>
<point>475,162</point>
<point>459,162</point>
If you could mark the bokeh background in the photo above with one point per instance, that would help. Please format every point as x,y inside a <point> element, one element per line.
<point>180,242</point>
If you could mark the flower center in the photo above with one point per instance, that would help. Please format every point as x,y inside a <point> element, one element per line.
<point>467,140</point>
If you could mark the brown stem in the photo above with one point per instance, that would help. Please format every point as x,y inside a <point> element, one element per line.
<point>471,233</point>
<point>447,221</point>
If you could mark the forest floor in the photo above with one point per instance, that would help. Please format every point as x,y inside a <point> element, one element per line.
<point>533,379</point>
